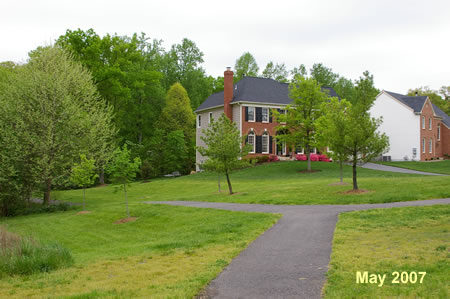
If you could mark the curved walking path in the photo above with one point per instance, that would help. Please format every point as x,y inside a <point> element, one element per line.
<point>382,167</point>
<point>291,258</point>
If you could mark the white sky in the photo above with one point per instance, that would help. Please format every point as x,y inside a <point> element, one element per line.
<point>405,44</point>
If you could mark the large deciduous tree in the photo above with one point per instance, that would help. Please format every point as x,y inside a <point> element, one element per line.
<point>277,72</point>
<point>246,66</point>
<point>60,115</point>
<point>301,115</point>
<point>323,75</point>
<point>224,148</point>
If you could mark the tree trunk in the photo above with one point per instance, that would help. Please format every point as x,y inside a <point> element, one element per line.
<point>48,189</point>
<point>309,157</point>
<point>355,183</point>
<point>340,170</point>
<point>84,199</point>
<point>218,178</point>
<point>229,183</point>
<point>126,198</point>
<point>101,176</point>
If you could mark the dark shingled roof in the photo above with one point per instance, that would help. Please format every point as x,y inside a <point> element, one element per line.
<point>417,102</point>
<point>259,90</point>
<point>445,117</point>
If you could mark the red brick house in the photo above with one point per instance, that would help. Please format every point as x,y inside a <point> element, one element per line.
<point>417,129</point>
<point>249,103</point>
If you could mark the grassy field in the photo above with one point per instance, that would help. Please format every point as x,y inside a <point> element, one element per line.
<point>278,183</point>
<point>442,166</point>
<point>412,239</point>
<point>167,251</point>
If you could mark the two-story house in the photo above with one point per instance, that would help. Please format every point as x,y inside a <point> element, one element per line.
<point>249,103</point>
<point>417,129</point>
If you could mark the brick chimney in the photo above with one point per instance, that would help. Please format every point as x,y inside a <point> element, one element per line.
<point>228,92</point>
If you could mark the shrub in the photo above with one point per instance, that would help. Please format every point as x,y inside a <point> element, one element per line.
<point>273,158</point>
<point>262,159</point>
<point>25,256</point>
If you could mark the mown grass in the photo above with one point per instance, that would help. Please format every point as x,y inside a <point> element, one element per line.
<point>382,241</point>
<point>278,183</point>
<point>442,166</point>
<point>166,252</point>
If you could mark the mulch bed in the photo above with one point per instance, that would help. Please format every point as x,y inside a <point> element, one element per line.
<point>125,220</point>
<point>359,191</point>
<point>83,212</point>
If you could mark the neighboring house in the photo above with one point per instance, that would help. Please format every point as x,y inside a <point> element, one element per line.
<point>417,129</point>
<point>249,103</point>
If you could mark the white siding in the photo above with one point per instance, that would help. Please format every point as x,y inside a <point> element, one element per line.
<point>400,124</point>
<point>216,112</point>
<point>237,116</point>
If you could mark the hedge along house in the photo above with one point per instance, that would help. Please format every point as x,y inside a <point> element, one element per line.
<point>249,104</point>
<point>417,129</point>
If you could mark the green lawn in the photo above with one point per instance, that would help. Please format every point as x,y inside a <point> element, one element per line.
<point>167,251</point>
<point>442,166</point>
<point>281,183</point>
<point>412,239</point>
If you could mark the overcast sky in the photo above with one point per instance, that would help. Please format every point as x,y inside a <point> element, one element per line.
<point>405,44</point>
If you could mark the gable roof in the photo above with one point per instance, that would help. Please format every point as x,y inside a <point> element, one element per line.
<point>445,117</point>
<point>416,103</point>
<point>258,90</point>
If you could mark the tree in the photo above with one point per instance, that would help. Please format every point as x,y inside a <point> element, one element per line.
<point>123,170</point>
<point>83,175</point>
<point>345,89</point>
<point>332,129</point>
<point>178,115</point>
<point>60,116</point>
<point>175,151</point>
<point>301,70</point>
<point>246,66</point>
<point>323,75</point>
<point>224,148</point>
<point>277,72</point>
<point>302,114</point>
<point>363,142</point>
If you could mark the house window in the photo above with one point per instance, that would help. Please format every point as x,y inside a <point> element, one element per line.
<point>423,122</point>
<point>199,121</point>
<point>284,148</point>
<point>423,145</point>
<point>265,143</point>
<point>251,141</point>
<point>265,115</point>
<point>430,145</point>
<point>300,150</point>
<point>439,132</point>
<point>251,113</point>
<point>429,123</point>
<point>210,118</point>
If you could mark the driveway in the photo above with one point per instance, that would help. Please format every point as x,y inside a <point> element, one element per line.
<point>382,167</point>
<point>290,259</point>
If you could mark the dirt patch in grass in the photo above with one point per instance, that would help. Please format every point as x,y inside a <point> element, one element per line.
<point>339,184</point>
<point>125,220</point>
<point>83,212</point>
<point>359,191</point>
<point>309,171</point>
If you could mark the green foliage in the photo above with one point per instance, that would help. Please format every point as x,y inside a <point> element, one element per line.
<point>323,75</point>
<point>51,114</point>
<point>363,142</point>
<point>246,66</point>
<point>301,116</point>
<point>83,173</point>
<point>175,152</point>
<point>332,128</point>
<point>299,71</point>
<point>122,169</point>
<point>224,147</point>
<point>277,72</point>
<point>25,256</point>
<point>345,89</point>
